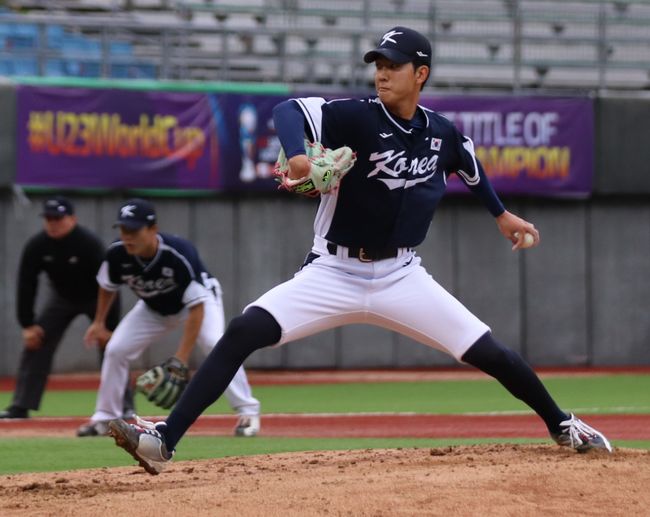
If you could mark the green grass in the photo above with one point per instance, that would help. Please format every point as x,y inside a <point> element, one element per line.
<point>586,395</point>
<point>54,454</point>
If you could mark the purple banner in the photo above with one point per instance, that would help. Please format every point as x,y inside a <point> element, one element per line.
<point>76,137</point>
<point>526,145</point>
<point>111,138</point>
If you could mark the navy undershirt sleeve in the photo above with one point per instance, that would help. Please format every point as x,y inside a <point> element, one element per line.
<point>469,163</point>
<point>486,193</point>
<point>289,124</point>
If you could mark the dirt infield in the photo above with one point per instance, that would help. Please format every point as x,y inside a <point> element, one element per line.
<point>494,480</point>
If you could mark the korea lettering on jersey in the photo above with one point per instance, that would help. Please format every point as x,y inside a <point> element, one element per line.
<point>390,195</point>
<point>175,278</point>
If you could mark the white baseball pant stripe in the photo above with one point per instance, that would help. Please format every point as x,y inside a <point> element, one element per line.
<point>397,294</point>
<point>139,329</point>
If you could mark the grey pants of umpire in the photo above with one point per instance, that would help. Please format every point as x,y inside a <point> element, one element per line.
<point>36,365</point>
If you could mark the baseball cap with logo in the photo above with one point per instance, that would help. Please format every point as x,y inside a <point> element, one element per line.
<point>57,206</point>
<point>135,214</point>
<point>402,45</point>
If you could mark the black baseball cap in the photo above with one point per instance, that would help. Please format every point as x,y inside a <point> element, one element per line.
<point>402,45</point>
<point>57,206</point>
<point>135,214</point>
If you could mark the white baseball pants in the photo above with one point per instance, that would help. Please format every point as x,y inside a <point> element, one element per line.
<point>397,294</point>
<point>140,328</point>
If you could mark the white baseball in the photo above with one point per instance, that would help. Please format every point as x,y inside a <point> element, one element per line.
<point>529,240</point>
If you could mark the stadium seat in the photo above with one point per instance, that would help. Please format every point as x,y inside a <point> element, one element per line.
<point>538,42</point>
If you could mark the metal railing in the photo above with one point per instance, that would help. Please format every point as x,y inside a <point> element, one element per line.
<point>506,44</point>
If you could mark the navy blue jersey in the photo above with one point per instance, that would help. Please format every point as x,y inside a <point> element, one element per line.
<point>175,278</point>
<point>389,197</point>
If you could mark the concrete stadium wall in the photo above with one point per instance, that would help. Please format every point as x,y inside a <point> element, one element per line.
<point>580,298</point>
<point>7,134</point>
<point>622,151</point>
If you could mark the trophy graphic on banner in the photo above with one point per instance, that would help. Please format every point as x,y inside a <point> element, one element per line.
<point>247,128</point>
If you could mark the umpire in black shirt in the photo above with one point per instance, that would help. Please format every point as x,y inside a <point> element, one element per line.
<point>70,255</point>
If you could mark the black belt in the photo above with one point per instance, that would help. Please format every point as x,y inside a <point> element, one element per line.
<point>366,254</point>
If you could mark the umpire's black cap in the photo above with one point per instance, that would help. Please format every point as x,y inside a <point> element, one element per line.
<point>57,206</point>
<point>135,214</point>
<point>402,45</point>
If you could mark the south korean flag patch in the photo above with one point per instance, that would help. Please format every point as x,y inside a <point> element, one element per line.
<point>436,143</point>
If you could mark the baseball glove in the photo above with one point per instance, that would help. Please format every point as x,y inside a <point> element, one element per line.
<point>164,384</point>
<point>328,166</point>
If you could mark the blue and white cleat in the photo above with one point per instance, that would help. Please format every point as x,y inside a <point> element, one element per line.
<point>580,436</point>
<point>144,441</point>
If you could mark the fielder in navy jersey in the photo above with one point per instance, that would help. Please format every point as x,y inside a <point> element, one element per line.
<point>362,267</point>
<point>164,283</point>
<point>174,287</point>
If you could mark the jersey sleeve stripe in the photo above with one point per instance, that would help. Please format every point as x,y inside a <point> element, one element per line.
<point>195,293</point>
<point>180,256</point>
<point>475,177</point>
<point>103,278</point>
<point>311,107</point>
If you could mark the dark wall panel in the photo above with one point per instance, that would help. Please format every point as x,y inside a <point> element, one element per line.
<point>622,146</point>
<point>556,286</point>
<point>580,298</point>
<point>620,297</point>
<point>489,283</point>
<point>7,135</point>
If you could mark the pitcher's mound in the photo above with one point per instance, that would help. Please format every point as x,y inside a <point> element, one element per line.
<point>495,480</point>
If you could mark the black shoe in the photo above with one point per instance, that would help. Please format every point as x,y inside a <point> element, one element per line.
<point>14,412</point>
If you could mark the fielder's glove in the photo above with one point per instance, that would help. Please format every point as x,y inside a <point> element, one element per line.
<point>164,384</point>
<point>328,166</point>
